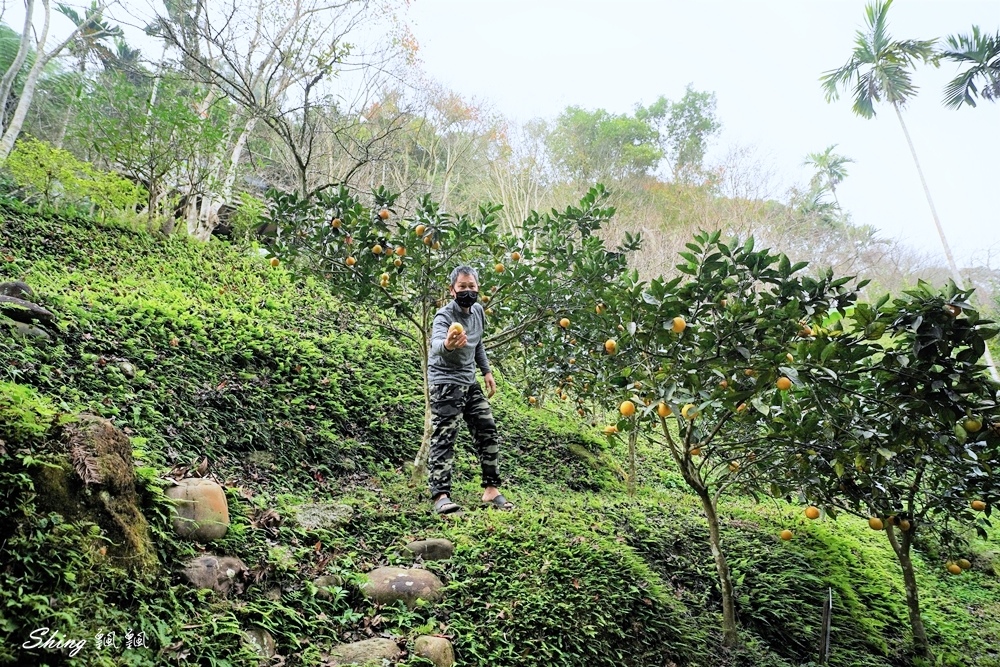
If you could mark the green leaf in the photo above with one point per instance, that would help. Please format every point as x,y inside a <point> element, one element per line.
<point>760,406</point>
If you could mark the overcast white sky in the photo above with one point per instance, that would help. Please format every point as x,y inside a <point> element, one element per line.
<point>763,59</point>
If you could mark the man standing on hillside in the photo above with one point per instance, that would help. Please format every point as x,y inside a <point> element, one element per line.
<point>456,351</point>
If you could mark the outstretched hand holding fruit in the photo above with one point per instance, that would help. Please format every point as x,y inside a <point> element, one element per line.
<point>456,337</point>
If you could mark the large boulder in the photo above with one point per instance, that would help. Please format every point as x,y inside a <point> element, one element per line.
<point>388,584</point>
<point>322,516</point>
<point>220,574</point>
<point>436,649</point>
<point>201,512</point>
<point>435,549</point>
<point>369,653</point>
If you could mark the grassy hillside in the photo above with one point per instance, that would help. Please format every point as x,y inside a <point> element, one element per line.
<point>204,351</point>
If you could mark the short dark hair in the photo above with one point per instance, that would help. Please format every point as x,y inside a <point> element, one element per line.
<point>463,271</point>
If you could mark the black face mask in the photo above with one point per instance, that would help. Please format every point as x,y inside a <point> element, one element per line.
<point>466,298</point>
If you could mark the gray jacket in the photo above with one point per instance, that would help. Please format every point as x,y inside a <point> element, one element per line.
<point>457,366</point>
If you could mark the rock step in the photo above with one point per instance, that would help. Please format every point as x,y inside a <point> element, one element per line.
<point>387,584</point>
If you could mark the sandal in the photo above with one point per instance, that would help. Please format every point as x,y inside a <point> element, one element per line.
<point>500,503</point>
<point>444,505</point>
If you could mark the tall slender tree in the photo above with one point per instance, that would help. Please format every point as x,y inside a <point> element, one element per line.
<point>880,69</point>
<point>91,39</point>
<point>830,170</point>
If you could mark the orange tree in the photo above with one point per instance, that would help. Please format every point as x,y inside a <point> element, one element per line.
<point>911,441</point>
<point>699,364</point>
<point>400,263</point>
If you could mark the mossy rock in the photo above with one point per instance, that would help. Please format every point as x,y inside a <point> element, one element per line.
<point>95,480</point>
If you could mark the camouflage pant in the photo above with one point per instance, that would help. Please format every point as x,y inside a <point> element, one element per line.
<point>448,401</point>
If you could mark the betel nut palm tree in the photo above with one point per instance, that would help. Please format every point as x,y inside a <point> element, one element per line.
<point>830,170</point>
<point>880,70</point>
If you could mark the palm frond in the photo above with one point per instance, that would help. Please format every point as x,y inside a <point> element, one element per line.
<point>982,78</point>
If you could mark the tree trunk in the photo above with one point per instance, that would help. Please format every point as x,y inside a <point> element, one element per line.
<point>72,105</point>
<point>22,53</point>
<point>920,643</point>
<point>632,435</point>
<point>234,162</point>
<point>42,59</point>
<point>956,276</point>
<point>729,636</point>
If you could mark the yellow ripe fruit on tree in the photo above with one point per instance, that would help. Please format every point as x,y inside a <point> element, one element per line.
<point>608,430</point>
<point>610,346</point>
<point>400,251</point>
<point>419,230</point>
<point>384,214</point>
<point>498,268</point>
<point>335,223</point>
<point>972,425</point>
<point>678,325</point>
<point>515,256</point>
<point>978,505</point>
<point>875,523</point>
<point>783,383</point>
<point>428,240</point>
<point>689,412</point>
<point>275,261</point>
<point>627,408</point>
<point>600,308</point>
<point>436,245</point>
<point>377,249</point>
<point>350,261</point>
<point>564,323</point>
<point>786,534</point>
<point>663,409</point>
<point>696,451</point>
<point>742,407</point>
<point>904,525</point>
<point>812,512</point>
<point>532,400</point>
